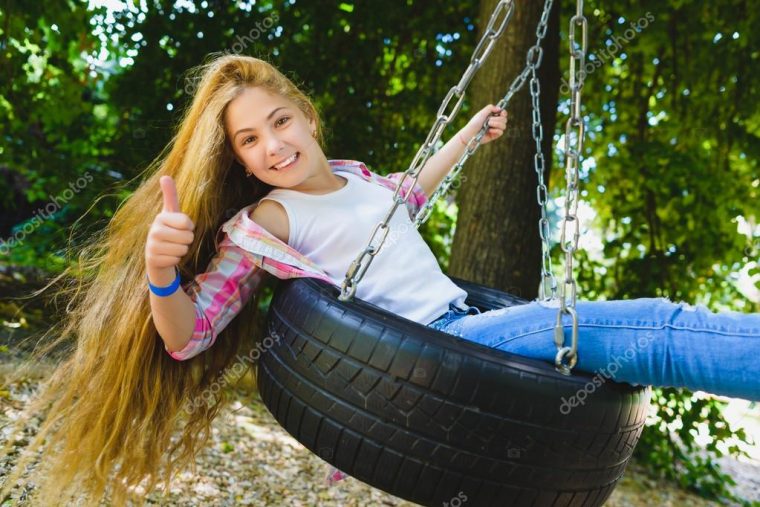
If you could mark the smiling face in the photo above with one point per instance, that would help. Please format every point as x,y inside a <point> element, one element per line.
<point>267,130</point>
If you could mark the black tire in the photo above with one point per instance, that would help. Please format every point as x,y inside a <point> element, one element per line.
<point>436,419</point>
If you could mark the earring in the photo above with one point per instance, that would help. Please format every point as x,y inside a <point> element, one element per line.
<point>314,134</point>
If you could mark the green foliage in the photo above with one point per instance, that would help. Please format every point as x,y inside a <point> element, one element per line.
<point>53,138</point>
<point>439,230</point>
<point>668,443</point>
<point>671,148</point>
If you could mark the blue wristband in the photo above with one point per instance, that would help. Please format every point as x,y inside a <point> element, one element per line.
<point>165,291</point>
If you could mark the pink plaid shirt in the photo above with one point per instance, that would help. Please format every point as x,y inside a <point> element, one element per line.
<point>246,251</point>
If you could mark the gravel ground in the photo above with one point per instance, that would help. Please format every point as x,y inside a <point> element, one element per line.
<point>251,460</point>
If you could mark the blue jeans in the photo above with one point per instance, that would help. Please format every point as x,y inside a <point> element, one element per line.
<point>645,341</point>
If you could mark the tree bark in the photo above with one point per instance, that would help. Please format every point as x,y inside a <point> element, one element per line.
<point>497,242</point>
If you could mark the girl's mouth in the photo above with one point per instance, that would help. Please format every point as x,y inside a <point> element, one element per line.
<point>290,162</point>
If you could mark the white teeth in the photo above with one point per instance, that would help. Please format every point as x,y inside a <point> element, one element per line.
<point>286,162</point>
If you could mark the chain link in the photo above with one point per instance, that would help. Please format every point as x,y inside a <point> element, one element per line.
<point>359,266</point>
<point>573,153</point>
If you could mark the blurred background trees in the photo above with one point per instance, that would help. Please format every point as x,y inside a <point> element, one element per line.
<point>90,93</point>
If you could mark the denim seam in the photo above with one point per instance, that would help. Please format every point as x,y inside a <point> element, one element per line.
<point>750,333</point>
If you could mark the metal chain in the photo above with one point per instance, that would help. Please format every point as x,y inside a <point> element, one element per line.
<point>542,193</point>
<point>533,61</point>
<point>572,159</point>
<point>359,266</point>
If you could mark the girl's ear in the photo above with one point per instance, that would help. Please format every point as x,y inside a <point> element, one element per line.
<point>247,173</point>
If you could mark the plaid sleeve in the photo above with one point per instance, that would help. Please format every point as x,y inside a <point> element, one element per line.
<point>417,198</point>
<point>218,295</point>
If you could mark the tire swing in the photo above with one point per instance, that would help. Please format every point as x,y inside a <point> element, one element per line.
<point>434,418</point>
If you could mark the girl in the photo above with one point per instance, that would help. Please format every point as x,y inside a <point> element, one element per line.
<point>146,349</point>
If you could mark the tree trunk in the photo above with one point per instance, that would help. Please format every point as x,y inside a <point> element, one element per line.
<point>497,240</point>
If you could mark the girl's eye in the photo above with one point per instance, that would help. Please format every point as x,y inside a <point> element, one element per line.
<point>245,141</point>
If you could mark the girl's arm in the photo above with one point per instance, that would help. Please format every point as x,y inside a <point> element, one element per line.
<point>193,320</point>
<point>438,166</point>
<point>174,316</point>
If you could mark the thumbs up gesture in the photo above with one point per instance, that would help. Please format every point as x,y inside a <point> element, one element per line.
<point>169,237</point>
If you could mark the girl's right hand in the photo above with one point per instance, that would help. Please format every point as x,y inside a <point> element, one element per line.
<point>170,234</point>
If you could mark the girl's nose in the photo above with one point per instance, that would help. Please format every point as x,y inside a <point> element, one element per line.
<point>275,145</point>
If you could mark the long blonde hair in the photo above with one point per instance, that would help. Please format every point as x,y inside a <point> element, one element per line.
<point>114,401</point>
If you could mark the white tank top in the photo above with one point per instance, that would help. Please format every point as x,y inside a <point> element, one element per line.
<point>332,229</point>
